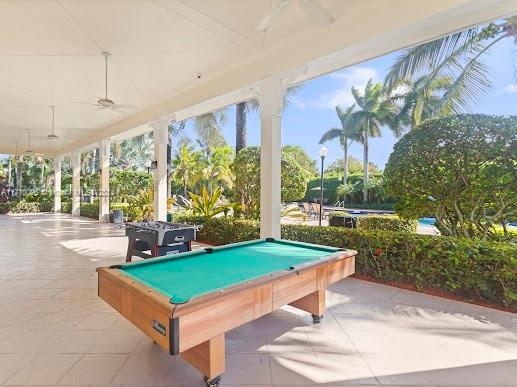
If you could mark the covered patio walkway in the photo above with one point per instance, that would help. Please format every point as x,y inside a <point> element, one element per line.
<point>54,330</point>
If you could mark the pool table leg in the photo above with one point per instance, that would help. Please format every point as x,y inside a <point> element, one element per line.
<point>313,303</point>
<point>208,357</point>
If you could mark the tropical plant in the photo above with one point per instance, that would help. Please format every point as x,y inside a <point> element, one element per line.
<point>347,134</point>
<point>459,57</point>
<point>215,169</point>
<point>344,190</point>
<point>142,203</point>
<point>376,108</point>
<point>461,169</point>
<point>210,205</point>
<point>208,128</point>
<point>185,165</point>
<point>420,99</point>
<point>292,211</point>
<point>133,153</point>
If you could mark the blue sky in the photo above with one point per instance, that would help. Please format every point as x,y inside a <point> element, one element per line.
<point>312,111</point>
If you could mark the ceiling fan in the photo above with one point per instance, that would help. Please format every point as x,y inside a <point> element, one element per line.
<point>29,150</point>
<point>52,136</point>
<point>104,103</point>
<point>312,8</point>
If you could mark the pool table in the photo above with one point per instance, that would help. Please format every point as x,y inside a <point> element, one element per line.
<point>186,302</point>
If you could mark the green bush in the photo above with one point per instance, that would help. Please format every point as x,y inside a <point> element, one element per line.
<point>66,207</point>
<point>371,206</point>
<point>222,231</point>
<point>90,210</point>
<point>460,168</point>
<point>23,206</point>
<point>386,223</point>
<point>187,218</point>
<point>4,208</point>
<point>473,269</point>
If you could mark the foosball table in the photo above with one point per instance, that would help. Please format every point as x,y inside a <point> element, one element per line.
<point>159,238</point>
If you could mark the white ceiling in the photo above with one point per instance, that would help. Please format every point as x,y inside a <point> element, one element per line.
<point>50,54</point>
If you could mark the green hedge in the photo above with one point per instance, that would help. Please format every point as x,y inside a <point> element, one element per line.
<point>475,270</point>
<point>66,207</point>
<point>4,208</point>
<point>90,210</point>
<point>386,223</point>
<point>22,206</point>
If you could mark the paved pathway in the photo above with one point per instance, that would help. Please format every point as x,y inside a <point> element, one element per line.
<point>55,331</point>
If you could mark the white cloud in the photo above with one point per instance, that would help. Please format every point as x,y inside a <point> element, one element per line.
<point>511,88</point>
<point>357,77</point>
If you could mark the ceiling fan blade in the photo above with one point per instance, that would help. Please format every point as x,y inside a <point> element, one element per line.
<point>274,14</point>
<point>123,107</point>
<point>86,103</point>
<point>316,12</point>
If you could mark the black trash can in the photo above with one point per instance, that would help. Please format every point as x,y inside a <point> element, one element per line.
<point>117,216</point>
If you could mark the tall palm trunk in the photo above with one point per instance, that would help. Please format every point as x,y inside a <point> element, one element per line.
<point>345,162</point>
<point>240,126</point>
<point>365,165</point>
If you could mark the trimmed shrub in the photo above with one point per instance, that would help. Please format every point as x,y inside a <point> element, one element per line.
<point>187,218</point>
<point>472,269</point>
<point>90,210</point>
<point>24,207</point>
<point>222,231</point>
<point>4,208</point>
<point>386,223</point>
<point>66,207</point>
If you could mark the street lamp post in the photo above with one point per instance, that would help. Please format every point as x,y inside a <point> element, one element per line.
<point>323,154</point>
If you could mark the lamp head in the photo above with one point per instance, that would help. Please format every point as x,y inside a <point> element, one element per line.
<point>323,152</point>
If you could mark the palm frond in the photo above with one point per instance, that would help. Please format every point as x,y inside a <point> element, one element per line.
<point>426,56</point>
<point>331,134</point>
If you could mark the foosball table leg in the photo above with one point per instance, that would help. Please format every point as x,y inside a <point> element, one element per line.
<point>129,254</point>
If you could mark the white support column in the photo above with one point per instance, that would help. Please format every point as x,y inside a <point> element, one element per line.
<point>104,165</point>
<point>271,99</point>
<point>57,183</point>
<point>161,139</point>
<point>76,183</point>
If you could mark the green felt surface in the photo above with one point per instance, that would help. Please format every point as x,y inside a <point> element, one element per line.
<point>193,274</point>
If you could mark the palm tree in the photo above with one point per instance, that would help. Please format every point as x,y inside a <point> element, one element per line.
<point>135,152</point>
<point>243,108</point>
<point>376,108</point>
<point>459,57</point>
<point>346,135</point>
<point>215,169</point>
<point>208,128</point>
<point>421,99</point>
<point>185,165</point>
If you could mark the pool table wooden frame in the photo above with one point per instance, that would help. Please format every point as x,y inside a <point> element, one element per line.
<point>196,329</point>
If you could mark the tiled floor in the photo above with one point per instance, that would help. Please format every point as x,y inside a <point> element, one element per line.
<point>55,331</point>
